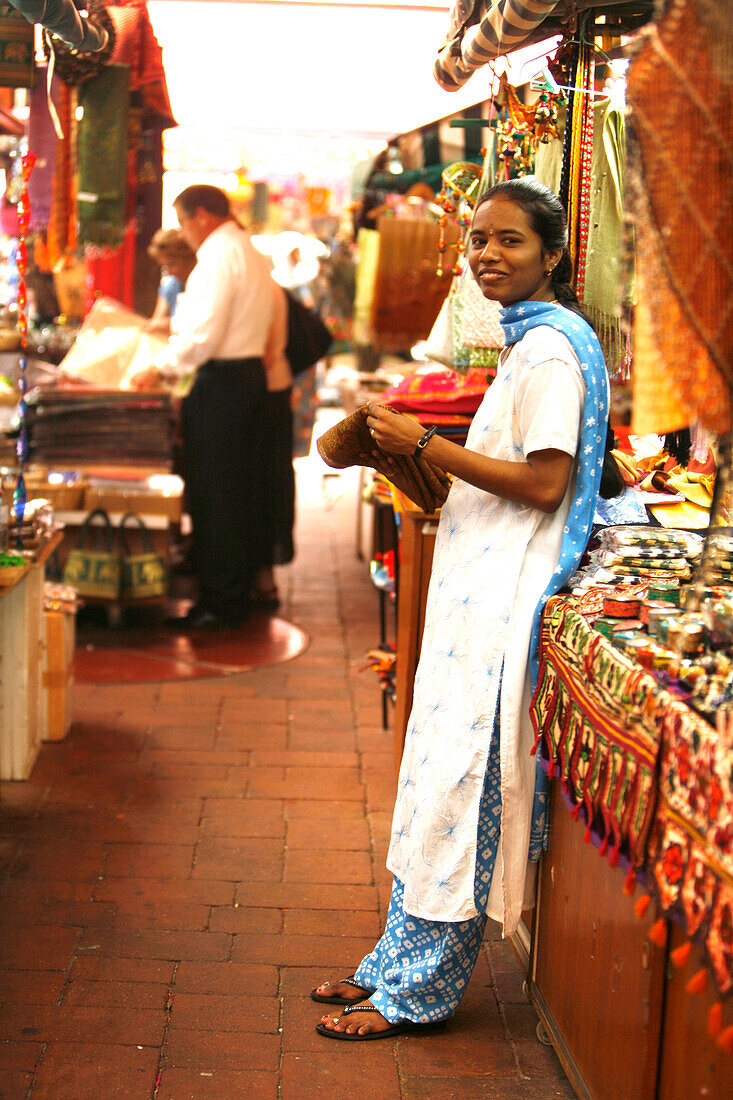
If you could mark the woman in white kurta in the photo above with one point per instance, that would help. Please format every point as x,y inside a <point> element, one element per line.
<point>517,516</point>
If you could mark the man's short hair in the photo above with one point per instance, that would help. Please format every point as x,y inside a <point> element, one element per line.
<point>211,199</point>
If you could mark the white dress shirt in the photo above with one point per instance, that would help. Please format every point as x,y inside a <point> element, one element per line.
<point>226,308</point>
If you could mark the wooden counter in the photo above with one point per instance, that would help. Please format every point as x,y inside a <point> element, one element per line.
<point>611,999</point>
<point>22,638</point>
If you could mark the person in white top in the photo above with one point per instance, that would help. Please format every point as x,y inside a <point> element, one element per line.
<point>520,507</point>
<point>221,327</point>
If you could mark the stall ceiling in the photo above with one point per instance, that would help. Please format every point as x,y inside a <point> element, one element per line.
<point>308,86</point>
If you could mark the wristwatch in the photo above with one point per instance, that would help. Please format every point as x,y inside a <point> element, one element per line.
<point>424,440</point>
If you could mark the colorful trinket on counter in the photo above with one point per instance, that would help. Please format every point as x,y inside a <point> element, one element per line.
<point>650,608</point>
<point>669,591</point>
<point>620,606</point>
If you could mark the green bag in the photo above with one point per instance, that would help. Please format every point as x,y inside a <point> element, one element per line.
<point>145,574</point>
<point>94,572</point>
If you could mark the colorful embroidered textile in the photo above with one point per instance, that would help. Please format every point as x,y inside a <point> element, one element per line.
<point>681,100</point>
<point>690,852</point>
<point>594,712</point>
<point>652,779</point>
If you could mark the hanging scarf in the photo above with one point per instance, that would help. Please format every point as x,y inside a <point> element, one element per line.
<point>516,320</point>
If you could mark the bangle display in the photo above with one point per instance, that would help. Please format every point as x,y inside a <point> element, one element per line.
<point>424,440</point>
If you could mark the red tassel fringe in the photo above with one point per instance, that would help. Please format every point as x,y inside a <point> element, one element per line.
<point>715,1020</point>
<point>698,982</point>
<point>630,883</point>
<point>641,905</point>
<point>725,1040</point>
<point>658,932</point>
<point>681,954</point>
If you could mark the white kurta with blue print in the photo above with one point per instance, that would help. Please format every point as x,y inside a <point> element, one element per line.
<point>493,561</point>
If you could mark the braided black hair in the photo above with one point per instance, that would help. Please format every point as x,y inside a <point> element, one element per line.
<point>547,219</point>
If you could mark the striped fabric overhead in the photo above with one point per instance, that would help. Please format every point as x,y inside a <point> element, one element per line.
<point>479,35</point>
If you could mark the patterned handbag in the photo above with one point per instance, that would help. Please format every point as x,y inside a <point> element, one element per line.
<point>94,572</point>
<point>145,574</point>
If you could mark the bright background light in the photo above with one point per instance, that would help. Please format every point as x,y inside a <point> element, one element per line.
<point>299,88</point>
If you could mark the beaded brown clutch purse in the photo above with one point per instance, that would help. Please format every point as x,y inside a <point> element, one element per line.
<point>349,443</point>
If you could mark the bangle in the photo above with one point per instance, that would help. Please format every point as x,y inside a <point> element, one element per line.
<point>424,440</point>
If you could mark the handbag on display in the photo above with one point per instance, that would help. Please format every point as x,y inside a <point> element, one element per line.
<point>309,338</point>
<point>94,572</point>
<point>144,574</point>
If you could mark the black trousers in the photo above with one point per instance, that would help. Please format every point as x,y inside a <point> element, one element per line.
<point>279,506</point>
<point>223,427</point>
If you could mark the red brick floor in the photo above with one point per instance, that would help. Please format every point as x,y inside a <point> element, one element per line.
<point>180,871</point>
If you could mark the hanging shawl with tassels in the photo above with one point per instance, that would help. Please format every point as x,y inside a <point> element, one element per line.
<point>516,320</point>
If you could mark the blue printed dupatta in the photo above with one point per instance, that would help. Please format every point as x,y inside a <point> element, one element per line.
<point>516,320</point>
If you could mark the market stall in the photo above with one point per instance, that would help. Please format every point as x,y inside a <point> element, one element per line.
<point>628,957</point>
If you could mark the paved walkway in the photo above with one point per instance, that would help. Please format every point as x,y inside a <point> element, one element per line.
<point>196,856</point>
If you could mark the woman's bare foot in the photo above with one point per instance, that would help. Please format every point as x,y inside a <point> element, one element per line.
<point>355,1022</point>
<point>342,989</point>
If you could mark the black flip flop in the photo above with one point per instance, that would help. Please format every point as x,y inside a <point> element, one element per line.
<point>401,1028</point>
<point>338,1000</point>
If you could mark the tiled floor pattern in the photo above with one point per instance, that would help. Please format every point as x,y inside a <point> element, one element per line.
<point>196,856</point>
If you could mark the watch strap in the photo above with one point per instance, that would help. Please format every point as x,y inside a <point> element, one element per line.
<point>424,440</point>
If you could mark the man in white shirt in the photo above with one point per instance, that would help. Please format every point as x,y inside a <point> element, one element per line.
<point>220,334</point>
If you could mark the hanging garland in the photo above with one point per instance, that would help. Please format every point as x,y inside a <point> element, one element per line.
<point>523,128</point>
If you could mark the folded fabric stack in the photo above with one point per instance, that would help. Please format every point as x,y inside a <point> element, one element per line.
<point>442,397</point>
<point>66,427</point>
<point>638,554</point>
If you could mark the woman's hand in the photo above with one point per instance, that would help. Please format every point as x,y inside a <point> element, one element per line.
<point>393,433</point>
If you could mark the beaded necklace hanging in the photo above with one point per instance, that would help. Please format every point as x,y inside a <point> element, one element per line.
<point>575,175</point>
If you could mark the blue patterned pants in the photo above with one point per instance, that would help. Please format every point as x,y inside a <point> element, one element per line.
<point>420,969</point>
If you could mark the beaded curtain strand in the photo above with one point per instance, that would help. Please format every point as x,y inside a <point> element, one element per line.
<point>21,260</point>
